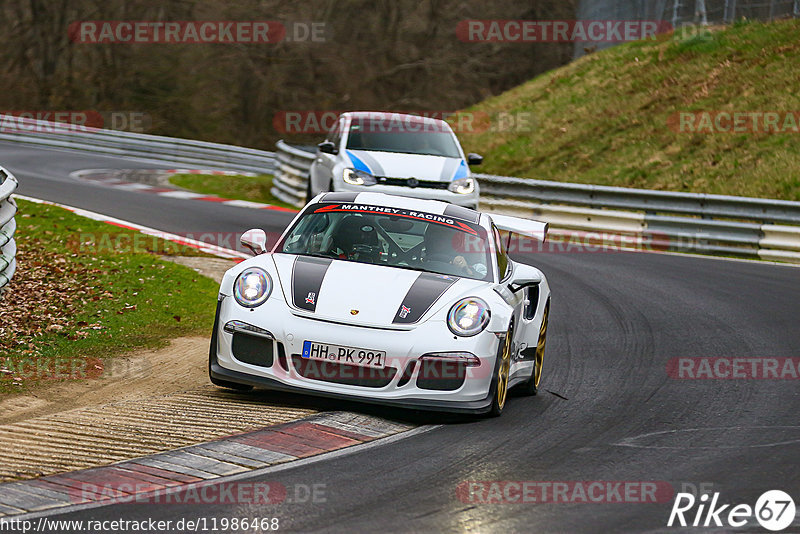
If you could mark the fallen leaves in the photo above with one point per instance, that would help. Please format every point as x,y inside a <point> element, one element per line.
<point>48,292</point>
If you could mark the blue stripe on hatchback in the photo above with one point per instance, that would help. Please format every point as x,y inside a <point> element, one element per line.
<point>357,163</point>
<point>461,172</point>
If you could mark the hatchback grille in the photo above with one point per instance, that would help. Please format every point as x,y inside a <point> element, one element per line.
<point>404,182</point>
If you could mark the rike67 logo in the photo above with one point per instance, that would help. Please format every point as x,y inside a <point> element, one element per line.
<point>774,510</point>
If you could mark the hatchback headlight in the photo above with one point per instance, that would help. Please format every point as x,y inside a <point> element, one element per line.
<point>356,177</point>
<point>464,186</point>
<point>252,287</point>
<point>468,317</point>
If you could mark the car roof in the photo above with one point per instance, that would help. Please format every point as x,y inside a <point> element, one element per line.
<point>391,115</point>
<point>435,207</point>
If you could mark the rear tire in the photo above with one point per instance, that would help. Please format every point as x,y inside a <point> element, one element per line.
<point>500,389</point>
<point>531,386</point>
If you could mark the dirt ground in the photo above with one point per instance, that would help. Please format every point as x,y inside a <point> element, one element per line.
<point>125,377</point>
<point>145,402</point>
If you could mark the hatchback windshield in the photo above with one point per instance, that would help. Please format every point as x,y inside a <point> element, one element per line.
<point>407,138</point>
<point>392,237</point>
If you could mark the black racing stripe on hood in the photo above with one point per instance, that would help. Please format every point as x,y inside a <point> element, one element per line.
<point>461,212</point>
<point>424,292</point>
<point>340,197</point>
<point>307,277</point>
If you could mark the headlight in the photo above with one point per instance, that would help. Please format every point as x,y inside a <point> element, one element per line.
<point>464,186</point>
<point>252,288</point>
<point>468,317</point>
<point>355,177</point>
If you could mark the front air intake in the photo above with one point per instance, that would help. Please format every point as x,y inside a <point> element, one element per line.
<point>255,350</point>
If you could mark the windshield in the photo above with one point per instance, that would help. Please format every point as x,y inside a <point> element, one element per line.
<point>407,138</point>
<point>391,237</point>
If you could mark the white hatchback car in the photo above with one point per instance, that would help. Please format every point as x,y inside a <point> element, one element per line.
<point>394,153</point>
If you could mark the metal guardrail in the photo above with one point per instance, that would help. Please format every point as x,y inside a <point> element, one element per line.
<point>685,222</point>
<point>291,174</point>
<point>8,225</point>
<point>153,148</point>
<point>596,196</point>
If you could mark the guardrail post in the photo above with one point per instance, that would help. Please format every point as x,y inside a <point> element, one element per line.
<point>8,226</point>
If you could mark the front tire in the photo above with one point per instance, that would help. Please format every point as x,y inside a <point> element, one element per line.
<point>500,395</point>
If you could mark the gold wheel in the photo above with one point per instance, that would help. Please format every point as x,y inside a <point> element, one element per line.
<point>502,373</point>
<point>540,347</point>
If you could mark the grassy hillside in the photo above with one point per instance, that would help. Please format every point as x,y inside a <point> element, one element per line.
<point>610,117</point>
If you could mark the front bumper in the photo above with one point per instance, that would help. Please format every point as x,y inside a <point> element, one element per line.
<point>283,370</point>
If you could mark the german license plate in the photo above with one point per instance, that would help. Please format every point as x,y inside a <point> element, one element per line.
<point>349,355</point>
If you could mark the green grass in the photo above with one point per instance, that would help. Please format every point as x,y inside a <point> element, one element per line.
<point>86,291</point>
<point>252,188</point>
<point>605,118</point>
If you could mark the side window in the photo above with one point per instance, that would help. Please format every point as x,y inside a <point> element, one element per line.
<point>335,134</point>
<point>500,250</point>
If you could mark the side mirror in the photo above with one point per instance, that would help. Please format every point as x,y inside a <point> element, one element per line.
<point>328,147</point>
<point>524,276</point>
<point>255,240</point>
<point>474,159</point>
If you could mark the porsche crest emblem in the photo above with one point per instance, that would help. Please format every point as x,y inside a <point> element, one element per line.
<point>353,312</point>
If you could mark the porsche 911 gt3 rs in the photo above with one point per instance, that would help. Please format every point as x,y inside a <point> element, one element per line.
<point>385,299</point>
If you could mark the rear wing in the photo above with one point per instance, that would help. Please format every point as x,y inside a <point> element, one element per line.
<point>526,227</point>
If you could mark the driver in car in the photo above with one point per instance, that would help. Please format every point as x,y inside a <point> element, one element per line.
<point>440,246</point>
<point>356,239</point>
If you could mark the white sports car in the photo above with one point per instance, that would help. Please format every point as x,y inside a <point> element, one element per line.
<point>385,299</point>
<point>397,154</point>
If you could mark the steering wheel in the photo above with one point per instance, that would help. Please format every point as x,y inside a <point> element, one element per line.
<point>439,257</point>
<point>369,253</point>
<point>445,259</point>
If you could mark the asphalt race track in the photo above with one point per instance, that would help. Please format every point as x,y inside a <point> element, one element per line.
<point>616,321</point>
<point>44,174</point>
